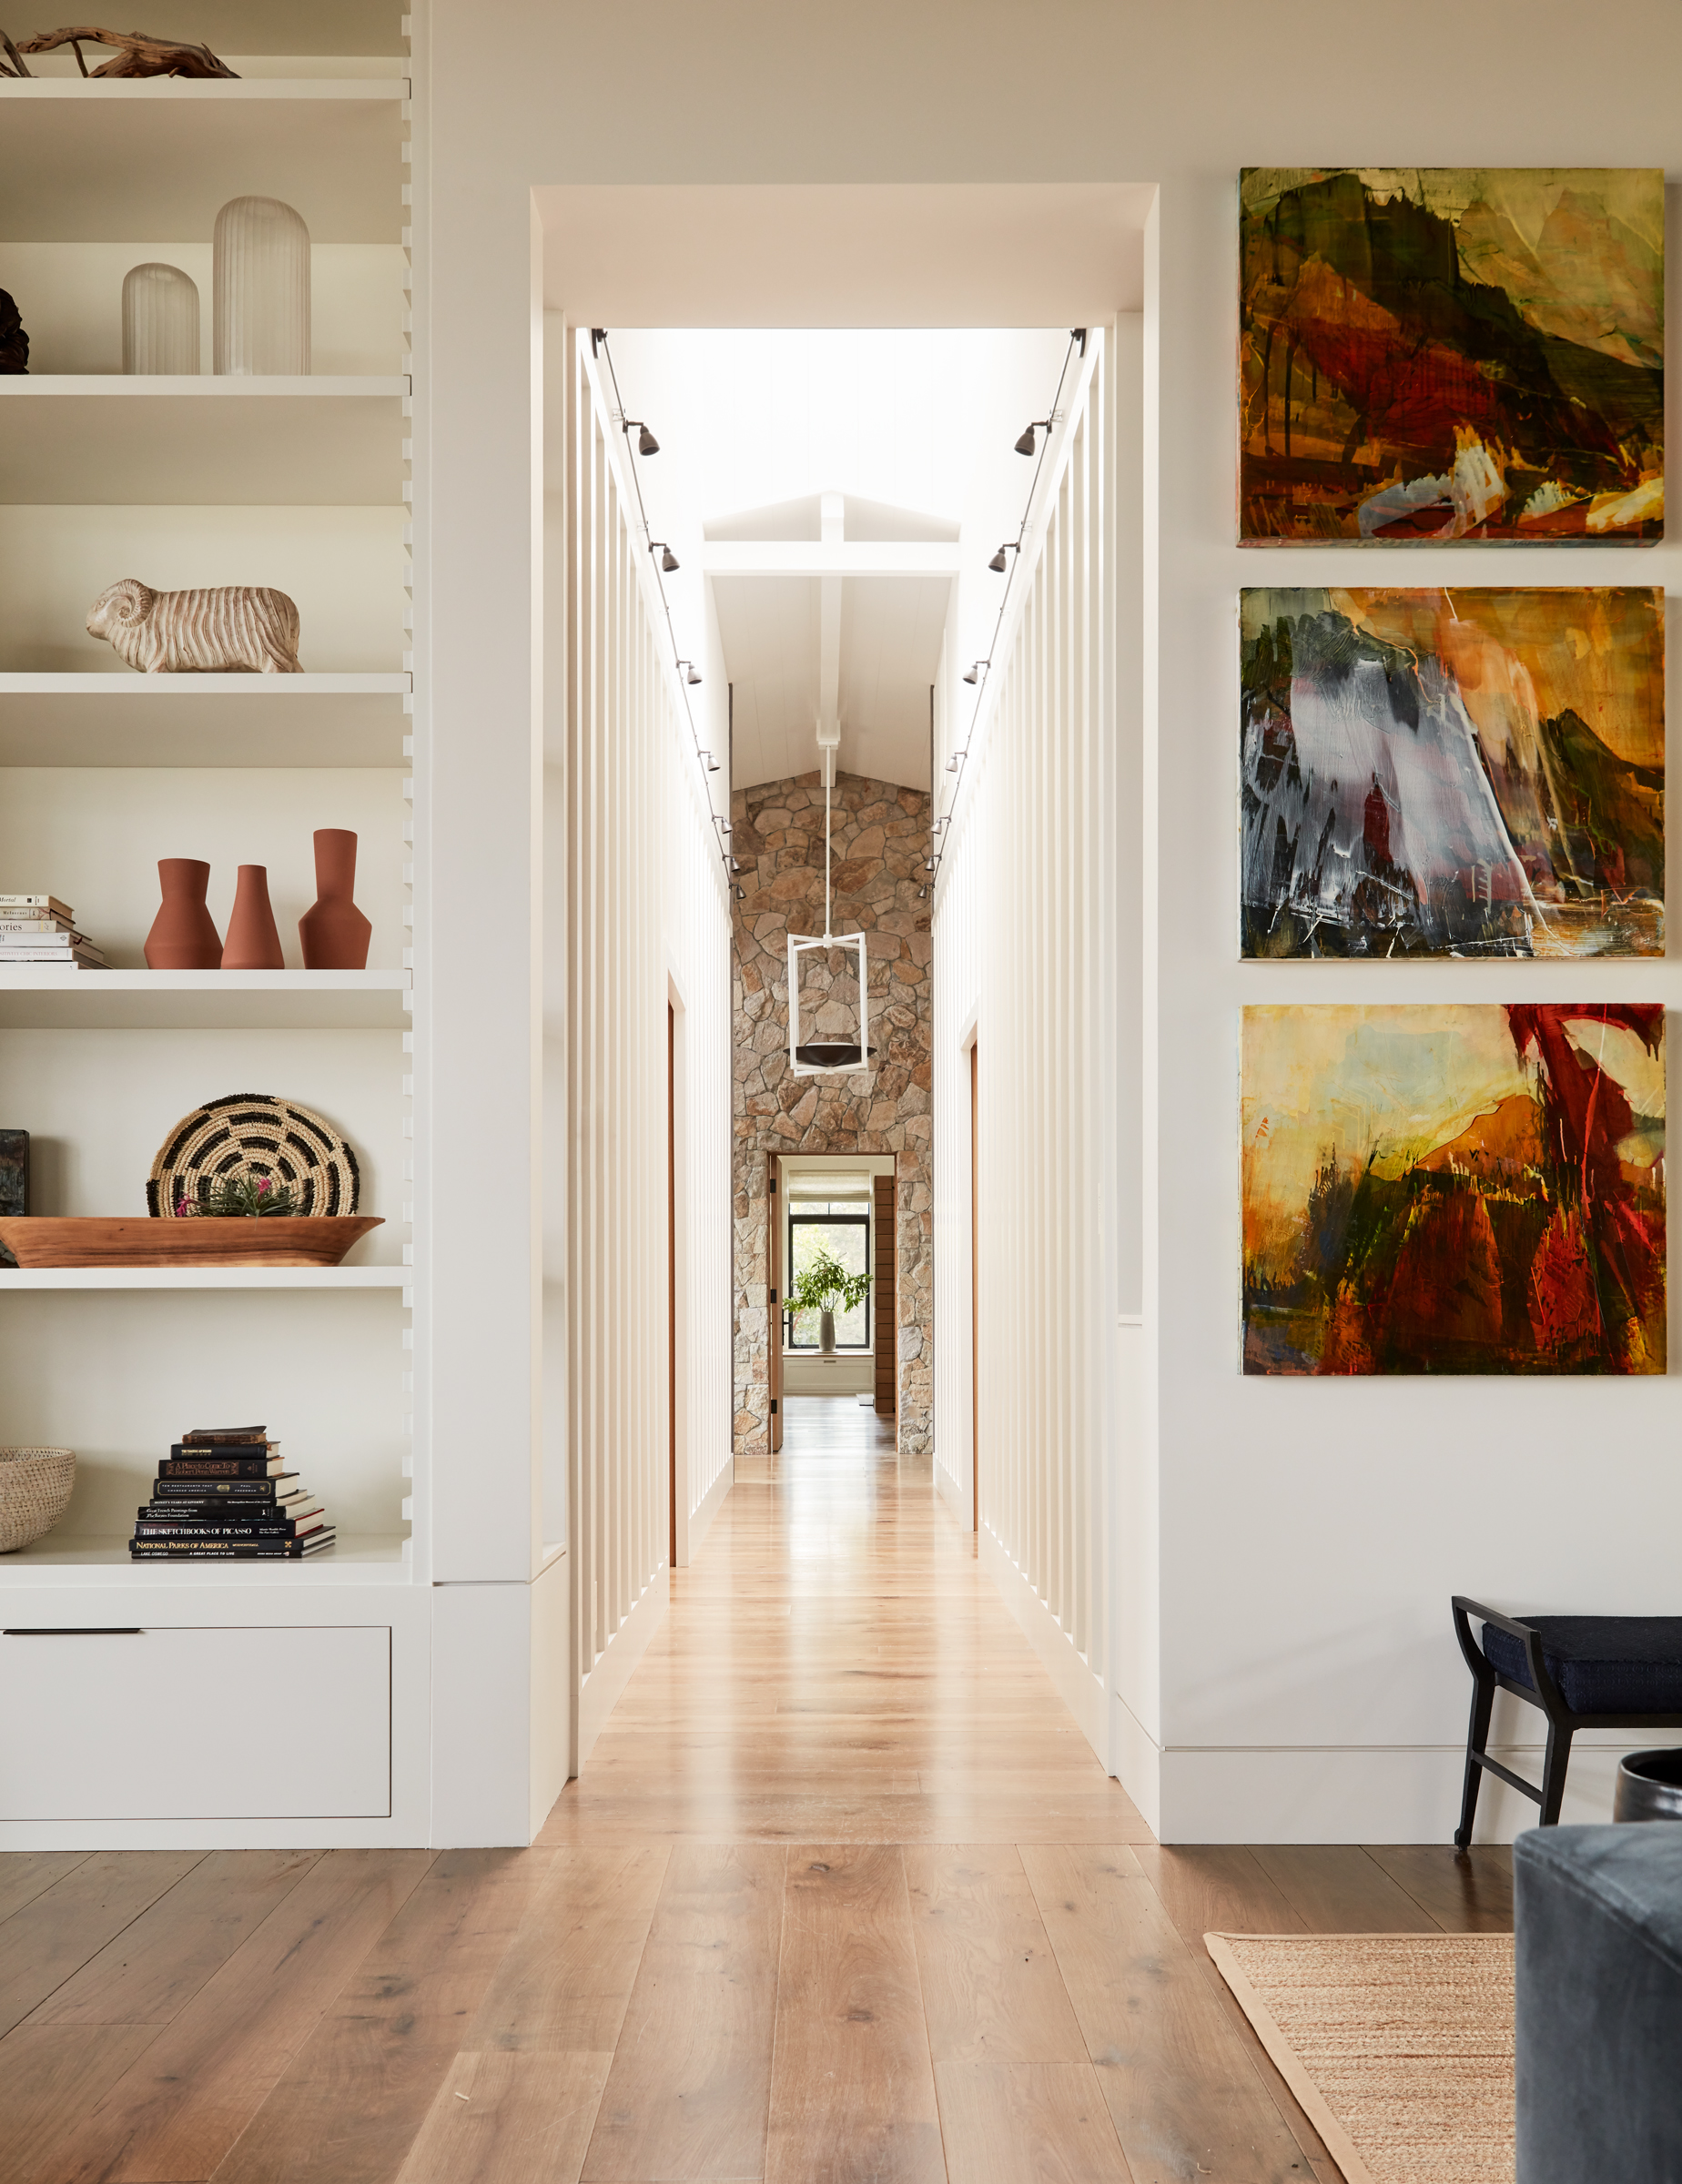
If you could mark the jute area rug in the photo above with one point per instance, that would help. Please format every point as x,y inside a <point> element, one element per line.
<point>1398,2045</point>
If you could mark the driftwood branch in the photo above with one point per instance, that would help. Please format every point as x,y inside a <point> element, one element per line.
<point>138,54</point>
<point>14,62</point>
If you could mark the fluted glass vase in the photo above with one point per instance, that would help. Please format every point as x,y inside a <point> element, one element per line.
<point>261,254</point>
<point>160,321</point>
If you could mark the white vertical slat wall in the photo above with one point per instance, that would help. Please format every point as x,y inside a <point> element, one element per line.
<point>647,915</point>
<point>1025,931</point>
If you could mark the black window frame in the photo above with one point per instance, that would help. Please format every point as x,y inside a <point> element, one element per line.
<point>864,1220</point>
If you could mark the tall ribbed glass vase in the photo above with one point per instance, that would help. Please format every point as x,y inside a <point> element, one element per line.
<point>261,256</point>
<point>160,321</point>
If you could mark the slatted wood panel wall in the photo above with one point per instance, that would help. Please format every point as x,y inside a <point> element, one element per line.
<point>644,890</point>
<point>1025,951</point>
<point>885,1295</point>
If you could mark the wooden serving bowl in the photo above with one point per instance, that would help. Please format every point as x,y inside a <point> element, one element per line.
<point>276,1239</point>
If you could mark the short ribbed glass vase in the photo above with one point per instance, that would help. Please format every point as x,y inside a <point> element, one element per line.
<point>160,321</point>
<point>261,254</point>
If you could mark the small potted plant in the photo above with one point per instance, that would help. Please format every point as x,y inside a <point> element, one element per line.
<point>823,1285</point>
<point>245,1195</point>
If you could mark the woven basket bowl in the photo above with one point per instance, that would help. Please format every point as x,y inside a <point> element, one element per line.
<point>35,1492</point>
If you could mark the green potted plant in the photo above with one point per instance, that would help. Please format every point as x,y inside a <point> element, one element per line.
<point>824,1283</point>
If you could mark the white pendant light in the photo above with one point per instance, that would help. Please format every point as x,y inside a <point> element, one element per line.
<point>819,1052</point>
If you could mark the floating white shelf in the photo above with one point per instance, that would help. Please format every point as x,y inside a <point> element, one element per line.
<point>95,1559</point>
<point>151,160</point>
<point>96,440</point>
<point>40,998</point>
<point>204,1278</point>
<point>123,719</point>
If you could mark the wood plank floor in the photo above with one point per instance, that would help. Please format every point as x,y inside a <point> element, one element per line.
<point>842,1897</point>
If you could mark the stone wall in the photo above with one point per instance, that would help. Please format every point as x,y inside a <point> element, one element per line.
<point>880,836</point>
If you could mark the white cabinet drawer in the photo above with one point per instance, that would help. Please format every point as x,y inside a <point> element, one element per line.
<point>195,1725</point>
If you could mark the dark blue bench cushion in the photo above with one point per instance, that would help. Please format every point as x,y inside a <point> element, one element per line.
<point>1601,1664</point>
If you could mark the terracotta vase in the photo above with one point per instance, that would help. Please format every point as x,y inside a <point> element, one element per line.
<point>183,936</point>
<point>253,942</point>
<point>334,932</point>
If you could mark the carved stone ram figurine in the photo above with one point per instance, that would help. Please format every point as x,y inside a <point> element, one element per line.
<point>235,628</point>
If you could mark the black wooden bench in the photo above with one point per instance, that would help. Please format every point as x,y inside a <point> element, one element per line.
<point>1584,1672</point>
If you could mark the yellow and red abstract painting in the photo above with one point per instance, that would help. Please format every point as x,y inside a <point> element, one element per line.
<point>1461,1189</point>
<point>1461,771</point>
<point>1451,353</point>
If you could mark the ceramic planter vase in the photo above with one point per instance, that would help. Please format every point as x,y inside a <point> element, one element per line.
<point>253,942</point>
<point>826,1333</point>
<point>334,933</point>
<point>183,936</point>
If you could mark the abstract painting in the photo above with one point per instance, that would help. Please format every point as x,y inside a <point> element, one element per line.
<point>1453,772</point>
<point>1452,1190</point>
<point>1448,353</point>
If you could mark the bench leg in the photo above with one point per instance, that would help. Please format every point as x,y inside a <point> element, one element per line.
<point>1477,1740</point>
<point>1554,1774</point>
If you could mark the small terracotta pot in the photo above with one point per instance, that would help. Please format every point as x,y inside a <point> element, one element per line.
<point>253,942</point>
<point>334,932</point>
<point>183,936</point>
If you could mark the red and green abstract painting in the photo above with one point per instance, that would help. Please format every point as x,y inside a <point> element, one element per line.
<point>1439,354</point>
<point>1460,772</point>
<point>1461,1189</point>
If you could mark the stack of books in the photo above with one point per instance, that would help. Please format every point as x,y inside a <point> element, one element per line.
<point>220,1495</point>
<point>39,928</point>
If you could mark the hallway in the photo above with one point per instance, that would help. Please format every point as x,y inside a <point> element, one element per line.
<point>840,1895</point>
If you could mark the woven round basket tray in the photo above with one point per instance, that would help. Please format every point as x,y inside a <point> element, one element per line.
<point>253,1133</point>
<point>35,1492</point>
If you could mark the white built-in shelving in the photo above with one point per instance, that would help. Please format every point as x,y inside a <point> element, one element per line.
<point>98,439</point>
<point>43,999</point>
<point>117,719</point>
<point>221,478</point>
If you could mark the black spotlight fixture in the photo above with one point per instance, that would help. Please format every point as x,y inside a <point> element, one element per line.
<point>668,559</point>
<point>998,562</point>
<point>975,673</point>
<point>690,674</point>
<point>646,444</point>
<point>1025,446</point>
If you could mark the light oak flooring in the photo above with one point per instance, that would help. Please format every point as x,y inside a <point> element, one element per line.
<point>840,1898</point>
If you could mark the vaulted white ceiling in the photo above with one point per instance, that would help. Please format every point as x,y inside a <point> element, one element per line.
<point>833,499</point>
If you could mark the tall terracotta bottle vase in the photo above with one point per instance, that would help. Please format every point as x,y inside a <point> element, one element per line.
<point>253,942</point>
<point>334,932</point>
<point>183,936</point>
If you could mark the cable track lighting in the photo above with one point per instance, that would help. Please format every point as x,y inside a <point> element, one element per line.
<point>1025,446</point>
<point>669,561</point>
<point>975,673</point>
<point>691,674</point>
<point>709,762</point>
<point>998,562</point>
<point>646,444</point>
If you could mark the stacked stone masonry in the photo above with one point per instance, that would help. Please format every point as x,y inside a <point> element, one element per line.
<point>880,836</point>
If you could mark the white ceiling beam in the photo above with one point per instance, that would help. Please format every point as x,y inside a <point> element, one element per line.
<point>814,557</point>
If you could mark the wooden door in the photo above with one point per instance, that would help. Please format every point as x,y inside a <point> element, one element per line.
<point>774,1300</point>
<point>885,1295</point>
<point>672,1284</point>
<point>975,1299</point>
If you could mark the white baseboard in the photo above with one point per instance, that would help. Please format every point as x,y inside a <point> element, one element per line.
<point>601,1689</point>
<point>1136,1760</point>
<point>700,1524</point>
<point>955,1492</point>
<point>1405,1794</point>
<point>1079,1690</point>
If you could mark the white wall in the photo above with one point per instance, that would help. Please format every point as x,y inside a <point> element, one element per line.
<point>641,893</point>
<point>1308,1534</point>
<point>1025,931</point>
